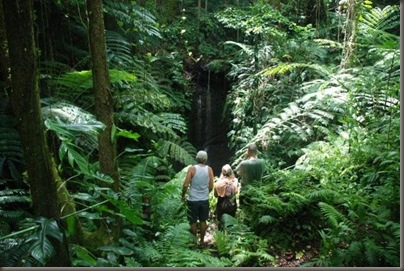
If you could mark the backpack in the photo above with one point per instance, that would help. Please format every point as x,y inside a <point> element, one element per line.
<point>228,204</point>
<point>229,189</point>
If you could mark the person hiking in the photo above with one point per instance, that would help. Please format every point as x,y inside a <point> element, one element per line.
<point>199,180</point>
<point>249,170</point>
<point>225,190</point>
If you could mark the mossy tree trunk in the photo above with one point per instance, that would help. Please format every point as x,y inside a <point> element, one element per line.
<point>102,92</point>
<point>103,96</point>
<point>24,97</point>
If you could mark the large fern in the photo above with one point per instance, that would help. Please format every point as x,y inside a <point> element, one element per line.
<point>376,24</point>
<point>14,193</point>
<point>242,245</point>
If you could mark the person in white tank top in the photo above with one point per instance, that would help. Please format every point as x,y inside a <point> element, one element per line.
<point>199,180</point>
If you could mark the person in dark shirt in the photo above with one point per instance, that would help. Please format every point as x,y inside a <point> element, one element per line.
<point>250,170</point>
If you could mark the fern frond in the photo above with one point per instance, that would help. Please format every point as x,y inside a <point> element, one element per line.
<point>177,236</point>
<point>149,253</point>
<point>222,242</point>
<point>14,252</point>
<point>373,252</point>
<point>176,151</point>
<point>375,25</point>
<point>382,19</point>
<point>11,154</point>
<point>162,124</point>
<point>134,18</point>
<point>78,84</point>
<point>312,112</point>
<point>10,145</point>
<point>14,195</point>
<point>287,67</point>
<point>267,219</point>
<point>293,196</point>
<point>191,258</point>
<point>51,69</point>
<point>244,47</point>
<point>118,50</point>
<point>323,194</point>
<point>336,219</point>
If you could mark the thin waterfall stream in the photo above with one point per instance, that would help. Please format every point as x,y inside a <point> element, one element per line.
<point>208,126</point>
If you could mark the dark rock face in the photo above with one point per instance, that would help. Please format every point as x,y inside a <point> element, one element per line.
<point>208,124</point>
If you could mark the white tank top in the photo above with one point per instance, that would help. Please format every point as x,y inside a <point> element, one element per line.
<point>199,187</point>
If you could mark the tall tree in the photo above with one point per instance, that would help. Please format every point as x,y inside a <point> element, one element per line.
<point>103,100</point>
<point>24,97</point>
<point>102,92</point>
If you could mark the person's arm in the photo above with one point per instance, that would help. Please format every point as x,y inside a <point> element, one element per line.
<point>238,169</point>
<point>236,185</point>
<point>211,179</point>
<point>187,181</point>
<point>215,191</point>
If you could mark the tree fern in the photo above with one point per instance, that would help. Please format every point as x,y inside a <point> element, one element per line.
<point>376,23</point>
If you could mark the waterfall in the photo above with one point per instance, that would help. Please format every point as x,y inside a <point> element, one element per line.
<point>207,130</point>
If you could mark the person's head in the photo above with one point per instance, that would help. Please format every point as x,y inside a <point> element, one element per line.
<point>227,170</point>
<point>252,149</point>
<point>202,157</point>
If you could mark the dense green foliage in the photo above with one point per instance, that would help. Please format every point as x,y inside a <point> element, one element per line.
<point>323,109</point>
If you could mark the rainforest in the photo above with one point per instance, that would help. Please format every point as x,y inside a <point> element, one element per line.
<point>105,104</point>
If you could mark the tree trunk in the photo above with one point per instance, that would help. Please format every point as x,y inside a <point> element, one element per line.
<point>350,33</point>
<point>102,92</point>
<point>316,12</point>
<point>4,64</point>
<point>24,96</point>
<point>103,100</point>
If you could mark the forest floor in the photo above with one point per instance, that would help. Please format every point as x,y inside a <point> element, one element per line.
<point>283,259</point>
